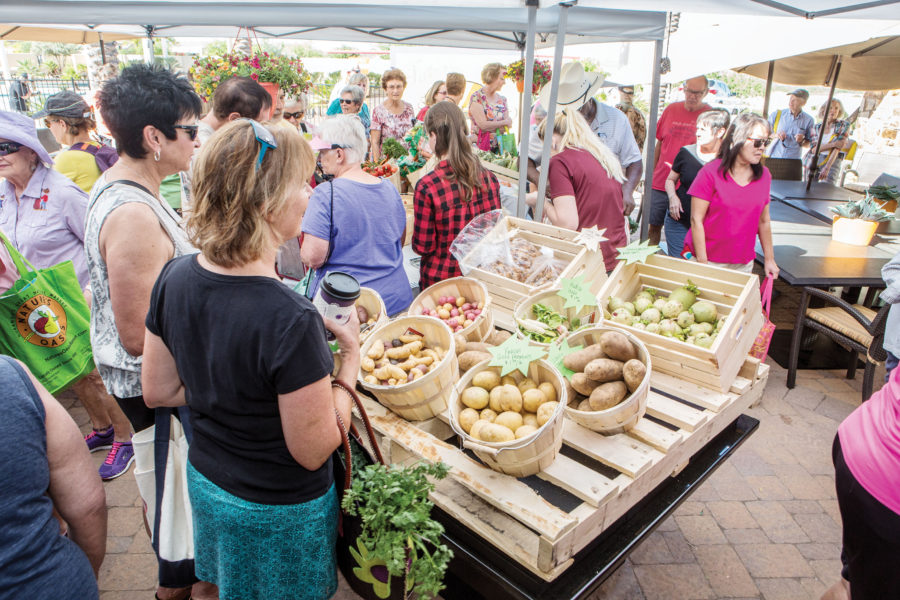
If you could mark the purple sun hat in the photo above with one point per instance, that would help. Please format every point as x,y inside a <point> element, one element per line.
<point>20,128</point>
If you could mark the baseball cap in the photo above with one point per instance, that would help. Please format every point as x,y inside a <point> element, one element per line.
<point>628,89</point>
<point>64,104</point>
<point>800,93</point>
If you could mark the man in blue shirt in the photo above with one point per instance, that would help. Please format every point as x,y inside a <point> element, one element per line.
<point>791,127</point>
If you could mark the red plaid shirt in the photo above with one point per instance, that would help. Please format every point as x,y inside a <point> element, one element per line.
<point>440,214</point>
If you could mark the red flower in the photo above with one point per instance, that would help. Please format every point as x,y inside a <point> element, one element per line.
<point>254,63</point>
<point>254,77</point>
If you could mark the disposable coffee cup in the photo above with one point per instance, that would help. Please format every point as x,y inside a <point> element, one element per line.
<point>336,297</point>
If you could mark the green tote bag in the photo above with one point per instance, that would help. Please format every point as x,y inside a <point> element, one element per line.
<point>45,322</point>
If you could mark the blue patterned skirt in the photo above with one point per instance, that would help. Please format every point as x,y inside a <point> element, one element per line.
<point>250,550</point>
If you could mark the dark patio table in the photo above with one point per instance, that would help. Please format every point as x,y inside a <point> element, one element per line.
<point>781,190</point>
<point>821,209</point>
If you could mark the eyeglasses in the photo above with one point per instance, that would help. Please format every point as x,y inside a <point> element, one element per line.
<point>9,148</point>
<point>294,115</point>
<point>345,101</point>
<point>695,92</point>
<point>190,129</point>
<point>49,122</point>
<point>265,138</point>
<point>759,142</point>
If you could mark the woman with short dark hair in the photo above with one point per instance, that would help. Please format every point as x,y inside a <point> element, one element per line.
<point>131,233</point>
<point>730,201</point>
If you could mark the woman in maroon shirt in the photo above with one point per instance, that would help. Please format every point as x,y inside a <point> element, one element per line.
<point>584,183</point>
<point>449,197</point>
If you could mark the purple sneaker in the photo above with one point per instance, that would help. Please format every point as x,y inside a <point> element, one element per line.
<point>100,440</point>
<point>117,461</point>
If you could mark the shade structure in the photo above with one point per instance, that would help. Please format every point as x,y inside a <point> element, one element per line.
<point>873,64</point>
<point>808,9</point>
<point>66,34</point>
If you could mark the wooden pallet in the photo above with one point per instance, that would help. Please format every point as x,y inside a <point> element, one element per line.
<point>541,522</point>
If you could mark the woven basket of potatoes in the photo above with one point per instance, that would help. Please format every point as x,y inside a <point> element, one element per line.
<point>512,423</point>
<point>611,381</point>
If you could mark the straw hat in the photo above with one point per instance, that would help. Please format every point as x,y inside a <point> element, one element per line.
<point>20,129</point>
<point>575,87</point>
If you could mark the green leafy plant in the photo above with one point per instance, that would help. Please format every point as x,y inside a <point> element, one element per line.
<point>547,325</point>
<point>866,209</point>
<point>397,527</point>
<point>393,149</point>
<point>542,73</point>
<point>884,192</point>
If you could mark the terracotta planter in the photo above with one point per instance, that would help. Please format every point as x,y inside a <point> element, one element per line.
<point>853,231</point>
<point>273,89</point>
<point>520,85</point>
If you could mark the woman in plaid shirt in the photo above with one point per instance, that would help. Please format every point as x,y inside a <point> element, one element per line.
<point>449,197</point>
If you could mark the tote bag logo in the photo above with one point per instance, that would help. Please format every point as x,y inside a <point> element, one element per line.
<point>41,320</point>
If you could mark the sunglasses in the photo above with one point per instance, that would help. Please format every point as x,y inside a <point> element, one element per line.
<point>9,148</point>
<point>345,101</point>
<point>759,142</point>
<point>265,138</point>
<point>190,129</point>
<point>294,115</point>
<point>49,122</point>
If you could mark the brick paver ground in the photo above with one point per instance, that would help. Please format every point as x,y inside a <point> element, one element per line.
<point>765,525</point>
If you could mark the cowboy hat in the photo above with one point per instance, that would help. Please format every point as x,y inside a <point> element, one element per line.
<point>575,87</point>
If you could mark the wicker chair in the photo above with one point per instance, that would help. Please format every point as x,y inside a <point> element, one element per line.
<point>787,169</point>
<point>852,326</point>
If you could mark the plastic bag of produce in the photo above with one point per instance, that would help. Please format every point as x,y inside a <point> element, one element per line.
<point>485,238</point>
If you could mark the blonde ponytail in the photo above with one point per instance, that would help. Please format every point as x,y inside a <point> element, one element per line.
<point>575,132</point>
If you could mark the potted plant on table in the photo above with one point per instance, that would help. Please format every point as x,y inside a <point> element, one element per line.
<point>542,74</point>
<point>855,222</point>
<point>399,549</point>
<point>273,71</point>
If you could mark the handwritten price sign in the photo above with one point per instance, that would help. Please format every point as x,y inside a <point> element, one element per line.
<point>514,354</point>
<point>558,352</point>
<point>577,293</point>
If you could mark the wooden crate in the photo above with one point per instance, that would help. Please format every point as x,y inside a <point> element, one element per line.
<point>736,296</point>
<point>507,293</point>
<point>410,217</point>
<point>504,175</point>
<point>598,478</point>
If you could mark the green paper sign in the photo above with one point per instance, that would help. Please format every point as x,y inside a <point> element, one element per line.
<point>577,293</point>
<point>637,252</point>
<point>558,352</point>
<point>514,354</point>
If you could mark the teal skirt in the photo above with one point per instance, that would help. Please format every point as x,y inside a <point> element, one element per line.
<point>264,551</point>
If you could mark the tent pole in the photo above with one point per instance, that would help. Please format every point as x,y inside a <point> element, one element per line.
<point>814,165</point>
<point>148,45</point>
<point>769,78</point>
<point>525,108</point>
<point>651,140</point>
<point>551,110</point>
<point>102,49</point>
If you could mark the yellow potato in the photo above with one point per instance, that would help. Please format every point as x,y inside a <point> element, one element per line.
<point>367,364</point>
<point>532,399</point>
<point>512,420</point>
<point>475,431</point>
<point>525,431</point>
<point>491,432</point>
<point>585,405</point>
<point>487,379</point>
<point>526,384</point>
<point>549,391</point>
<point>510,399</point>
<point>467,418</point>
<point>475,397</point>
<point>508,380</point>
<point>488,415</point>
<point>545,412</point>
<point>376,350</point>
<point>530,419</point>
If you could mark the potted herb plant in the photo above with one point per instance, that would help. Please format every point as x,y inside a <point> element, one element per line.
<point>855,222</point>
<point>273,71</point>
<point>399,549</point>
<point>542,73</point>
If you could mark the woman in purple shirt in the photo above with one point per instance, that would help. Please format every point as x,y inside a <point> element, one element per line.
<point>42,213</point>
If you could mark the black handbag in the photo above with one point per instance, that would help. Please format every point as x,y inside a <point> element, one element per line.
<point>368,578</point>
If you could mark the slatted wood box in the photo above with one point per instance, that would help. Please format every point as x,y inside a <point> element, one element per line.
<point>736,296</point>
<point>507,293</point>
<point>542,522</point>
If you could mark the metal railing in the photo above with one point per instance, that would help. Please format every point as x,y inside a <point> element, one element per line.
<point>40,89</point>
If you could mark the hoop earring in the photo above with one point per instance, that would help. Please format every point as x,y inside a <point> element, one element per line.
<point>156,156</point>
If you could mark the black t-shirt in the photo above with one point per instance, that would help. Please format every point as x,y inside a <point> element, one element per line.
<point>238,343</point>
<point>687,164</point>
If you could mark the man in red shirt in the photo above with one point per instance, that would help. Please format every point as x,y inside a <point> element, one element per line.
<point>677,127</point>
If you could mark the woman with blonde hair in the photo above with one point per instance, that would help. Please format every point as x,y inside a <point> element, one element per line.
<point>835,144</point>
<point>450,196</point>
<point>248,357</point>
<point>488,109</point>
<point>436,93</point>
<point>585,183</point>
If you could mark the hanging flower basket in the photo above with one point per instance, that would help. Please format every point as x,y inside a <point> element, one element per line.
<point>287,73</point>
<point>515,71</point>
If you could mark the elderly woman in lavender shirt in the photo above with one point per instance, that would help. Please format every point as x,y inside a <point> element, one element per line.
<point>42,213</point>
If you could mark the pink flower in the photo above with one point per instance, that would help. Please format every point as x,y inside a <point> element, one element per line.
<point>254,63</point>
<point>254,77</point>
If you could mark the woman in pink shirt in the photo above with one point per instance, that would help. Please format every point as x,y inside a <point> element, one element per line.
<point>730,201</point>
<point>866,457</point>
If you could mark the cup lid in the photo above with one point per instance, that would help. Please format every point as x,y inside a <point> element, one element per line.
<point>341,286</point>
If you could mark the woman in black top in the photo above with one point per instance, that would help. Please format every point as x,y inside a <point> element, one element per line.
<point>249,358</point>
<point>711,128</point>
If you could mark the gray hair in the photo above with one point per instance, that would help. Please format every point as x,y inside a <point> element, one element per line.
<point>346,131</point>
<point>358,78</point>
<point>540,112</point>
<point>356,93</point>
